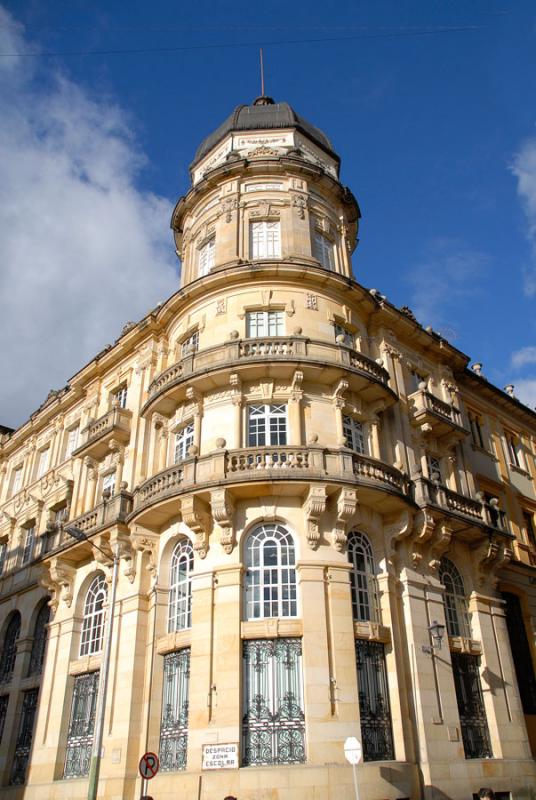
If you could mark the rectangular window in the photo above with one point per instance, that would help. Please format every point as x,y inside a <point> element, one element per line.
<point>267,425</point>
<point>183,441</point>
<point>264,240</point>
<point>72,441</point>
<point>23,743</point>
<point>515,450</point>
<point>530,532</point>
<point>42,465</point>
<point>475,423</point>
<point>374,708</point>
<point>119,397</point>
<point>108,484</point>
<point>323,250</point>
<point>473,722</point>
<point>3,556</point>
<point>273,722</point>
<point>174,721</point>
<point>28,544</point>
<point>519,642</point>
<point>415,380</point>
<point>264,323</point>
<point>354,434</point>
<point>434,468</point>
<point>340,330</point>
<point>17,480</point>
<point>206,256</point>
<point>4,700</point>
<point>81,725</point>
<point>190,345</point>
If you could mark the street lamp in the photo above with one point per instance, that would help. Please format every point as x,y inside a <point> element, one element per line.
<point>437,631</point>
<point>94,768</point>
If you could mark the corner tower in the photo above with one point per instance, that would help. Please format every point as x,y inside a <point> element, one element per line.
<point>265,188</point>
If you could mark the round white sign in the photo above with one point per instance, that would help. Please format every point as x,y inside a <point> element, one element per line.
<point>353,750</point>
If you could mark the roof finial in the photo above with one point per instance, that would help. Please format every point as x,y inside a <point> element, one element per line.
<point>262,73</point>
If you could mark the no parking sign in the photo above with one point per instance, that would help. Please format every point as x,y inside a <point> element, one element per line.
<point>149,765</point>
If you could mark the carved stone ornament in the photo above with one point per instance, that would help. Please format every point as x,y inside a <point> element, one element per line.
<point>60,581</point>
<point>296,391</point>
<point>220,306</point>
<point>441,541</point>
<point>195,515</point>
<point>347,505</point>
<point>423,530</point>
<point>314,507</point>
<point>339,391</point>
<point>143,542</point>
<point>299,201</point>
<point>229,205</point>
<point>489,556</point>
<point>222,507</point>
<point>262,152</point>
<point>311,301</point>
<point>398,529</point>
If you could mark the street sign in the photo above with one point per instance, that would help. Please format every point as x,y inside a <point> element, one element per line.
<point>353,750</point>
<point>149,765</point>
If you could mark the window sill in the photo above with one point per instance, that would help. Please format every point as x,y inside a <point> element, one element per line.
<point>271,628</point>
<point>520,470</point>
<point>85,664</point>
<point>373,631</point>
<point>484,451</point>
<point>175,640</point>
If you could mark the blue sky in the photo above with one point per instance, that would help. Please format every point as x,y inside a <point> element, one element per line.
<point>431,107</point>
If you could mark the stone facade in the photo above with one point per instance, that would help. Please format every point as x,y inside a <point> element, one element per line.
<point>299,481</point>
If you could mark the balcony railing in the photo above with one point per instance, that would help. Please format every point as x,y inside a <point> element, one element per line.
<point>114,424</point>
<point>429,492</point>
<point>426,407</point>
<point>108,512</point>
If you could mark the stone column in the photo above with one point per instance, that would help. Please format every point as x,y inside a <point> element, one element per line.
<point>91,483</point>
<point>202,679</point>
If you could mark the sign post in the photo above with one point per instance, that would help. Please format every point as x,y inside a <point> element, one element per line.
<point>148,767</point>
<point>353,753</point>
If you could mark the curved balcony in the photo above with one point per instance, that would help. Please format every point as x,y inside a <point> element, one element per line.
<point>115,424</point>
<point>429,413</point>
<point>275,356</point>
<point>380,485</point>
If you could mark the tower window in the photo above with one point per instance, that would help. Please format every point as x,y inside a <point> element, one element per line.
<point>271,573</point>
<point>190,345</point>
<point>354,434</point>
<point>119,397</point>
<point>267,425</point>
<point>323,250</point>
<point>183,441</point>
<point>434,468</point>
<point>206,256</point>
<point>340,330</point>
<point>264,239</point>
<point>264,323</point>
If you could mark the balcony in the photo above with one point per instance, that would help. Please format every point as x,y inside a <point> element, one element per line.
<point>254,470</point>
<point>433,415</point>
<point>276,356</point>
<point>115,424</point>
<point>464,511</point>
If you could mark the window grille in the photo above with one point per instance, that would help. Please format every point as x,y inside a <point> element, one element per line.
<point>354,434</point>
<point>267,425</point>
<point>23,743</point>
<point>9,650</point>
<point>457,615</point>
<point>37,656</point>
<point>273,724</point>
<point>180,584</point>
<point>264,240</point>
<point>434,468</point>
<point>270,573</point>
<point>28,546</point>
<point>43,462</point>
<point>183,441</point>
<point>81,725</point>
<point>93,624</point>
<point>323,250</point>
<point>190,345</point>
<point>120,397</point>
<point>374,708</point>
<point>108,484</point>
<point>17,480</point>
<point>72,441</point>
<point>207,256</point>
<point>174,723</point>
<point>340,330</point>
<point>4,701</point>
<point>264,323</point>
<point>517,633</point>
<point>3,556</point>
<point>365,602</point>
<point>473,722</point>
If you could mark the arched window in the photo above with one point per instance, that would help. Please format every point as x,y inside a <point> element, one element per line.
<point>9,649</point>
<point>37,655</point>
<point>93,625</point>
<point>271,573</point>
<point>455,600</point>
<point>180,583</point>
<point>365,605</point>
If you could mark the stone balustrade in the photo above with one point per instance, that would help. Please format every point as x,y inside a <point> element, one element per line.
<point>114,424</point>
<point>110,511</point>
<point>425,406</point>
<point>429,492</point>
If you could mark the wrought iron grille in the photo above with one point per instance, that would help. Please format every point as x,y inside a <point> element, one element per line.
<point>4,700</point>
<point>273,725</point>
<point>81,725</point>
<point>473,722</point>
<point>24,739</point>
<point>374,709</point>
<point>519,643</point>
<point>37,655</point>
<point>174,724</point>
<point>9,651</point>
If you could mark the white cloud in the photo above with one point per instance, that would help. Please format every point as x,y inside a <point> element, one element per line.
<point>82,248</point>
<point>525,390</point>
<point>524,356</point>
<point>524,168</point>
<point>447,276</point>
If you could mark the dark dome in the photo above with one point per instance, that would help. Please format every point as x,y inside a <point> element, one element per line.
<point>263,114</point>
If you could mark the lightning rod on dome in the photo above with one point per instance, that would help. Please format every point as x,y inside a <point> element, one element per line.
<point>262,72</point>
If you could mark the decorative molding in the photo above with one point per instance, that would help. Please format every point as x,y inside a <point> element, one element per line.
<point>299,201</point>
<point>314,507</point>
<point>143,542</point>
<point>222,507</point>
<point>311,301</point>
<point>423,531</point>
<point>441,541</point>
<point>347,506</point>
<point>195,515</point>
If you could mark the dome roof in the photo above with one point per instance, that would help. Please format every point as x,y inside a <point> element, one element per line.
<point>263,114</point>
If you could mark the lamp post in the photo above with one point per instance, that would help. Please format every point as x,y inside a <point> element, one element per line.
<point>436,631</point>
<point>94,768</point>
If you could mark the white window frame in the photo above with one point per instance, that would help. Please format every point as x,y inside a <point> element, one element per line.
<point>184,439</point>
<point>354,434</point>
<point>433,464</point>
<point>271,584</point>
<point>180,587</point>
<point>92,635</point>
<point>206,257</point>
<point>190,345</point>
<point>72,440</point>
<point>340,330</point>
<point>119,397</point>
<point>28,546</point>
<point>267,421</point>
<point>108,482</point>
<point>43,462</point>
<point>265,323</point>
<point>455,600</point>
<point>324,250</point>
<point>365,595</point>
<point>264,239</point>
<point>514,448</point>
<point>17,479</point>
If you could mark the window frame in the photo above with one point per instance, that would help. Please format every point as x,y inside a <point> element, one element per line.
<point>265,429</point>
<point>94,617</point>
<point>17,481</point>
<point>184,439</point>
<point>363,582</point>
<point>28,546</point>
<point>476,428</point>
<point>190,344</point>
<point>206,256</point>
<point>173,746</point>
<point>514,450</point>
<point>119,396</point>
<point>71,443</point>
<point>269,320</point>
<point>355,435</point>
<point>270,577</point>
<point>81,727</point>
<point>323,250</point>
<point>43,462</point>
<point>457,616</point>
<point>264,246</point>
<point>180,587</point>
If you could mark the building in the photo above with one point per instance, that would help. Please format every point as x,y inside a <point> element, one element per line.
<point>306,489</point>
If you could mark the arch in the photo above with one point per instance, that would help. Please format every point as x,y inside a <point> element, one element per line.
<point>270,557</point>
<point>93,623</point>
<point>180,585</point>
<point>365,600</point>
<point>9,647</point>
<point>40,634</point>
<point>455,599</point>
